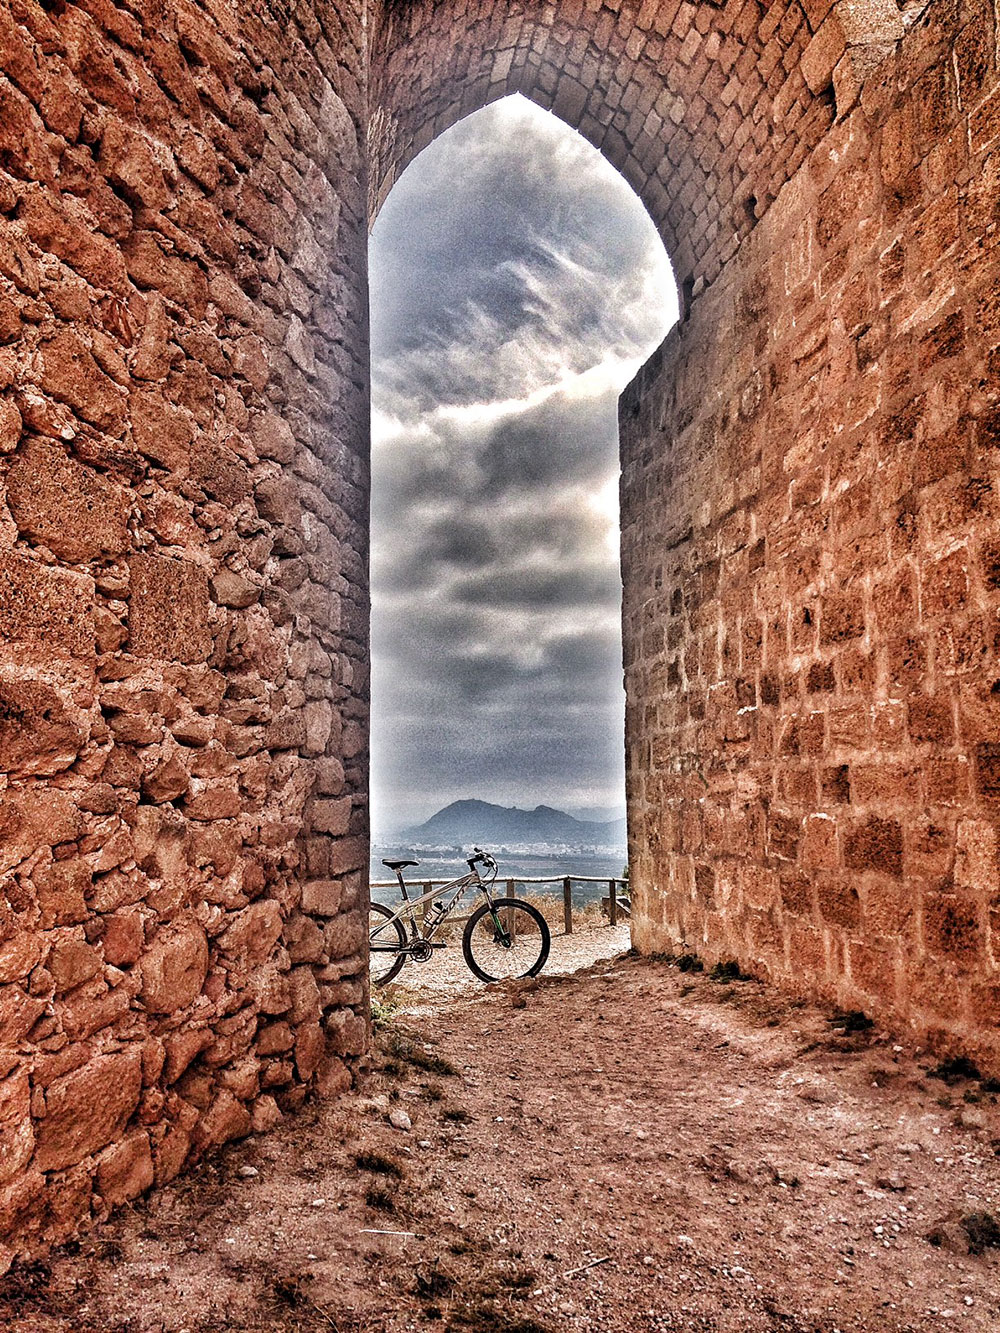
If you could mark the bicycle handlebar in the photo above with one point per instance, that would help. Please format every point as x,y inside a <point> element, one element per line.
<point>481,857</point>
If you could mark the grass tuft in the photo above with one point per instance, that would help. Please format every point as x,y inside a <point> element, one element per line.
<point>381,1199</point>
<point>380,1164</point>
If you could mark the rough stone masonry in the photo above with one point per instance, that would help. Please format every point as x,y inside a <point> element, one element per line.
<point>811,526</point>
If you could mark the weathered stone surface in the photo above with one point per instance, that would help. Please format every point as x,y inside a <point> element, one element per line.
<point>162,431</point>
<point>16,1132</point>
<point>322,897</point>
<point>34,818</point>
<point>73,510</point>
<point>122,939</point>
<point>174,968</point>
<point>41,732</point>
<point>167,781</point>
<point>254,932</point>
<point>87,1109</point>
<point>125,1170</point>
<point>62,888</point>
<point>69,372</point>
<point>232,589</point>
<point>168,609</point>
<point>226,1119</point>
<point>39,604</point>
<point>72,961</point>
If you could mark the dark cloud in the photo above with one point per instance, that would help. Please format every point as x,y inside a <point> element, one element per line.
<point>516,282</point>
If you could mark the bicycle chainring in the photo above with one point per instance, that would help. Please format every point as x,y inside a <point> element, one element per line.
<point>420,951</point>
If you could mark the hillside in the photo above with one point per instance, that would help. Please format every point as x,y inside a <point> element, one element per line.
<point>478,822</point>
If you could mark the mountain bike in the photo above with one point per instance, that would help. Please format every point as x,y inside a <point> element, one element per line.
<point>503,938</point>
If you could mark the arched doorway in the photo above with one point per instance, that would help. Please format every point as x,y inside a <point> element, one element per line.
<point>508,312</point>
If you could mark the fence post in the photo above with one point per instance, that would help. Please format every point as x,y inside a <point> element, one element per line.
<point>511,915</point>
<point>613,902</point>
<point>568,905</point>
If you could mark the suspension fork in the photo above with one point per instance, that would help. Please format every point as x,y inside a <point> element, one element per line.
<point>502,933</point>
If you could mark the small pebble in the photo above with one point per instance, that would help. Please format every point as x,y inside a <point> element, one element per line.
<point>248,1172</point>
<point>399,1119</point>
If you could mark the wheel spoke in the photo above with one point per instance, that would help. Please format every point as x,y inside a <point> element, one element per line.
<point>512,943</point>
<point>385,938</point>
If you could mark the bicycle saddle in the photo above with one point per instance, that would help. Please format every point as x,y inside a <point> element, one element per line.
<point>399,865</point>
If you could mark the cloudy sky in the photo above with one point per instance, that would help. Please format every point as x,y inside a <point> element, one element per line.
<point>516,285</point>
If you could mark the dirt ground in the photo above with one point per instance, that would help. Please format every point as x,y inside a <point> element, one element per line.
<point>630,1147</point>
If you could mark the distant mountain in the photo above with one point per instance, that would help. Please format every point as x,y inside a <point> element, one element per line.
<point>478,822</point>
<point>598,814</point>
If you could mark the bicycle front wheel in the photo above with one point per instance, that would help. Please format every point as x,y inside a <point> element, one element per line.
<point>509,940</point>
<point>385,939</point>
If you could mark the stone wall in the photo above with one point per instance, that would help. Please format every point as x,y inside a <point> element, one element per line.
<point>183,599</point>
<point>812,568</point>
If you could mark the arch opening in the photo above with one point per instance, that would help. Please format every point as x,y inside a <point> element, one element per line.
<point>507,315</point>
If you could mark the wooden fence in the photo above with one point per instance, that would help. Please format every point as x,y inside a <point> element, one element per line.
<point>615,906</point>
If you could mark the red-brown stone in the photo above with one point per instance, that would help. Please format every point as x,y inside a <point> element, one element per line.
<point>168,609</point>
<point>71,509</point>
<point>87,1109</point>
<point>174,968</point>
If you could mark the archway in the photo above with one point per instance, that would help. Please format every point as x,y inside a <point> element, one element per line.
<point>507,314</point>
<point>774,627</point>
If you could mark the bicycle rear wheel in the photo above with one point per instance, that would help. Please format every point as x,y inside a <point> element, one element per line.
<point>385,939</point>
<point>511,940</point>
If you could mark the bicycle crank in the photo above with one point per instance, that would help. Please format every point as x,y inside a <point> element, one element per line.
<point>421,950</point>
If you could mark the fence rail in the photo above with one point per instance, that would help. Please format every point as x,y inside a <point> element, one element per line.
<point>614,902</point>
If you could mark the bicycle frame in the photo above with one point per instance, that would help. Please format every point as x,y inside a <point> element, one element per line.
<point>428,930</point>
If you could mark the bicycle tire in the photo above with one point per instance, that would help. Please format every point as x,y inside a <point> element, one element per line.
<point>384,976</point>
<point>481,950</point>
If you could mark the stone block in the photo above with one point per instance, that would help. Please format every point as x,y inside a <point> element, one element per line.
<point>122,938</point>
<point>252,933</point>
<point>37,817</point>
<point>125,1170</point>
<point>39,604</point>
<point>822,53</point>
<point>88,1108</point>
<point>876,844</point>
<point>72,961</point>
<point>953,929</point>
<point>219,472</point>
<point>161,431</point>
<point>174,968</point>
<point>322,897</point>
<point>68,370</point>
<point>226,1119</point>
<point>72,509</point>
<point>168,609</point>
<point>58,229</point>
<point>330,816</point>
<point>41,732</point>
<point>128,163</point>
<point>16,1132</point>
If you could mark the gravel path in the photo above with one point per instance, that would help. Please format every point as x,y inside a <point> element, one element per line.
<point>626,1149</point>
<point>446,973</point>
